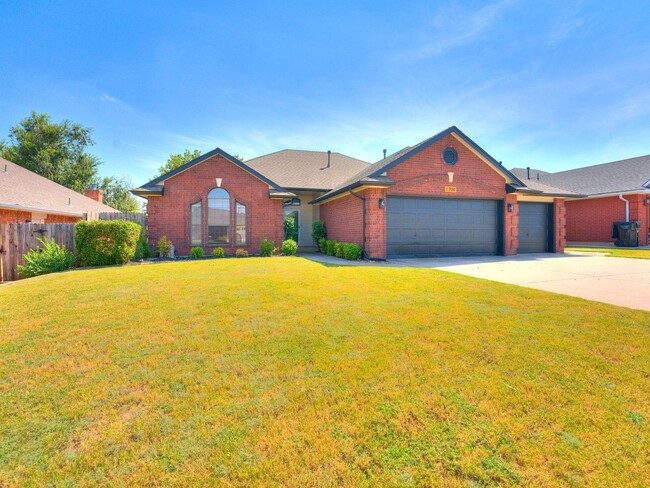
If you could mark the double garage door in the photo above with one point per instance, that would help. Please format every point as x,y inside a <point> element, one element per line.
<point>442,226</point>
<point>461,227</point>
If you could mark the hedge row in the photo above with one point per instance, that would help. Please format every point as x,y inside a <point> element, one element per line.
<point>345,250</point>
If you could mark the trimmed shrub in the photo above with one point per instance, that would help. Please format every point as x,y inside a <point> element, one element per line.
<point>196,252</point>
<point>218,252</point>
<point>49,257</point>
<point>142,250</point>
<point>289,247</point>
<point>290,228</point>
<point>241,253</point>
<point>318,230</point>
<point>103,242</point>
<point>352,252</point>
<point>165,247</point>
<point>329,246</point>
<point>338,249</point>
<point>267,247</point>
<point>322,246</point>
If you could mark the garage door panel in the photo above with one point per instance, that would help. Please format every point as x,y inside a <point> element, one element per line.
<point>534,227</point>
<point>436,226</point>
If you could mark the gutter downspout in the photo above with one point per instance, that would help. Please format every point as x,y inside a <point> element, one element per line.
<point>620,196</point>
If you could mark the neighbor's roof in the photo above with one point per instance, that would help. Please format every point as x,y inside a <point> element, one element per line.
<point>615,177</point>
<point>21,189</point>
<point>541,188</point>
<point>155,186</point>
<point>295,169</point>
<point>374,172</point>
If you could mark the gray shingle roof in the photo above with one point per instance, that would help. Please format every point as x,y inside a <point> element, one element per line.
<point>615,177</point>
<point>295,169</point>
<point>21,189</point>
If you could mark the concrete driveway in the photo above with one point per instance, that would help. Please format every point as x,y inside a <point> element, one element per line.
<point>619,281</point>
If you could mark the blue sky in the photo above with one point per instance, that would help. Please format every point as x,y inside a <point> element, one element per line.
<point>554,85</point>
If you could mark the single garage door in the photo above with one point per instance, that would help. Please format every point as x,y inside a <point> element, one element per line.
<point>441,226</point>
<point>534,227</point>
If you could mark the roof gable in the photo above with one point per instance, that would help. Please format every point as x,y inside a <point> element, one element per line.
<point>378,169</point>
<point>150,187</point>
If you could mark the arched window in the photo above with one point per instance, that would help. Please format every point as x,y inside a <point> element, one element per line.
<point>218,216</point>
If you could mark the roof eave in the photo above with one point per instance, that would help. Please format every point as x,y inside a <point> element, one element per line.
<point>353,186</point>
<point>20,208</point>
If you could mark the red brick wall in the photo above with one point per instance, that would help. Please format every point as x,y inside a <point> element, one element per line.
<point>14,216</point>
<point>559,211</point>
<point>343,219</point>
<point>590,219</point>
<point>61,219</point>
<point>510,226</point>
<point>18,217</point>
<point>169,215</point>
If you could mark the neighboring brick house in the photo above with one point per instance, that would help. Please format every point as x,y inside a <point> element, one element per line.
<point>443,196</point>
<point>616,191</point>
<point>28,197</point>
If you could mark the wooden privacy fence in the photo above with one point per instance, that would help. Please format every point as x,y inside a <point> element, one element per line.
<point>17,239</point>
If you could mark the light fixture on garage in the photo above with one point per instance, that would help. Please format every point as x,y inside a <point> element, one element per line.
<point>511,207</point>
<point>382,203</point>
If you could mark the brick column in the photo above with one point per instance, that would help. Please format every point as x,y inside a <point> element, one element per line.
<point>559,224</point>
<point>375,222</point>
<point>510,225</point>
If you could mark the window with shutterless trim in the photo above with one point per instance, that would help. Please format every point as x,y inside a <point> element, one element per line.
<point>218,216</point>
<point>240,223</point>
<point>196,223</point>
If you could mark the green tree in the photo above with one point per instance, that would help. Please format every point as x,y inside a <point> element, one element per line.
<point>55,151</point>
<point>177,160</point>
<point>117,193</point>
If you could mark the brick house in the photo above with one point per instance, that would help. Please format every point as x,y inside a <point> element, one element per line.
<point>443,196</point>
<point>28,197</point>
<point>615,191</point>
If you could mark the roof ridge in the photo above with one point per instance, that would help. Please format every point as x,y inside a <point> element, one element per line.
<point>601,164</point>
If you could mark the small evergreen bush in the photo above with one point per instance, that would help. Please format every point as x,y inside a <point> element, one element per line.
<point>289,247</point>
<point>142,250</point>
<point>322,245</point>
<point>196,252</point>
<point>165,247</point>
<point>318,230</point>
<point>241,253</point>
<point>267,247</point>
<point>338,249</point>
<point>329,246</point>
<point>218,252</point>
<point>49,257</point>
<point>104,242</point>
<point>352,252</point>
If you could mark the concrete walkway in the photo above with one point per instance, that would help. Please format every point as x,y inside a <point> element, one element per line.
<point>618,281</point>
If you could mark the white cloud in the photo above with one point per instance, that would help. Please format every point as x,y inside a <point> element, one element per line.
<point>454,27</point>
<point>107,98</point>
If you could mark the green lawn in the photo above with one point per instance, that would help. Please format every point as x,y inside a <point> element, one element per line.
<point>281,371</point>
<point>617,252</point>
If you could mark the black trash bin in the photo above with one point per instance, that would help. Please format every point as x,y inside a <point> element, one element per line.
<point>626,233</point>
